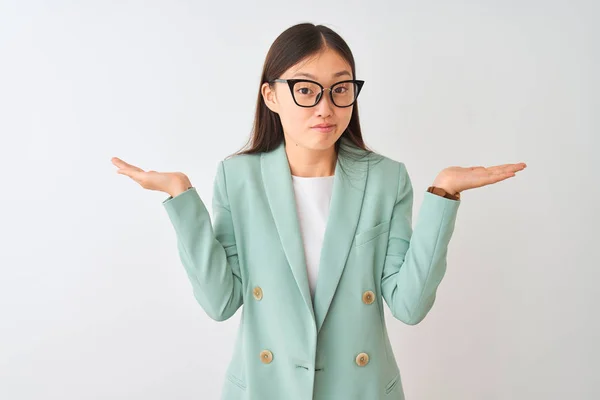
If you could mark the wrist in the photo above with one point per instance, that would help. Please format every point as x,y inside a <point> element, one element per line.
<point>444,185</point>
<point>447,189</point>
<point>180,187</point>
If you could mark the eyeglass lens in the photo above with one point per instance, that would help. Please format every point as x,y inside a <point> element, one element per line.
<point>308,94</point>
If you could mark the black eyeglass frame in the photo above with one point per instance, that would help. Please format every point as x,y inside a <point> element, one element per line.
<point>292,82</point>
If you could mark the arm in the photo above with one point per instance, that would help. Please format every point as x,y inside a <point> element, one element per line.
<point>208,252</point>
<point>416,261</point>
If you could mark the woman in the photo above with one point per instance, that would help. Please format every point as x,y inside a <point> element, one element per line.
<point>311,231</point>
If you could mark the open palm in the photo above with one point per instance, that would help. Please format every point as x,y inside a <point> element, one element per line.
<point>168,182</point>
<point>458,179</point>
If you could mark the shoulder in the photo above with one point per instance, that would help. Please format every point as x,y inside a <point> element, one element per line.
<point>387,175</point>
<point>237,171</point>
<point>385,168</point>
<point>240,163</point>
<point>378,163</point>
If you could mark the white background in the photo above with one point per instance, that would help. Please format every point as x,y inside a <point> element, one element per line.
<point>94,303</point>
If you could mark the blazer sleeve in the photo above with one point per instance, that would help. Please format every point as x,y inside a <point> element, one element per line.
<point>415,261</point>
<point>208,252</point>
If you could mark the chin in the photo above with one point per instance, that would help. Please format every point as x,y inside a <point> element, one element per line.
<point>318,142</point>
<point>323,144</point>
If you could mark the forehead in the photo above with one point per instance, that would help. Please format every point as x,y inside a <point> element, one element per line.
<point>324,66</point>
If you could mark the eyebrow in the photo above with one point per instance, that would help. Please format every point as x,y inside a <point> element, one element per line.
<point>310,76</point>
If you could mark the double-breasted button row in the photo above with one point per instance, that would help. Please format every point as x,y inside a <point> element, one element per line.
<point>368,297</point>
<point>266,356</point>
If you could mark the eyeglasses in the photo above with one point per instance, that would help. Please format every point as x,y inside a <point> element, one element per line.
<point>307,93</point>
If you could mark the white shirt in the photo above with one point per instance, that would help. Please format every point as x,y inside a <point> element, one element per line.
<point>313,196</point>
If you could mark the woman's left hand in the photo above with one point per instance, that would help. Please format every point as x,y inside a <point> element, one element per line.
<point>458,179</point>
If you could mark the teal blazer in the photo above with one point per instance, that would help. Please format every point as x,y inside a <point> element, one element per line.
<point>288,346</point>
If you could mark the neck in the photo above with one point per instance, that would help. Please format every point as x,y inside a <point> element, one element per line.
<point>311,163</point>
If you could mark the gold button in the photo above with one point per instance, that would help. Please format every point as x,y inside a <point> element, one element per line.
<point>266,356</point>
<point>368,297</point>
<point>257,292</point>
<point>362,359</point>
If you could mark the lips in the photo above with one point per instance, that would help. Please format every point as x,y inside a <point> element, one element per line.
<point>324,128</point>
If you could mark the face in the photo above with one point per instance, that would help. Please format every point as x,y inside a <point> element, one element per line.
<point>299,123</point>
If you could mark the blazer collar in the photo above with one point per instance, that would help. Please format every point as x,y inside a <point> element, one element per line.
<point>346,201</point>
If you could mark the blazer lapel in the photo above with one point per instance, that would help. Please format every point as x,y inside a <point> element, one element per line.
<point>344,211</point>
<point>277,179</point>
<point>345,205</point>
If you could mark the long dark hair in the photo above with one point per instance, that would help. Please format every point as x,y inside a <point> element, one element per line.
<point>292,46</point>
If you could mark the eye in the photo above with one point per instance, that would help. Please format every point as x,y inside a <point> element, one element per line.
<point>304,91</point>
<point>340,90</point>
<point>308,89</point>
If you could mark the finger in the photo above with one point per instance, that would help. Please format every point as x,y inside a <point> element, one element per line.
<point>122,164</point>
<point>489,179</point>
<point>515,167</point>
<point>505,168</point>
<point>497,168</point>
<point>132,173</point>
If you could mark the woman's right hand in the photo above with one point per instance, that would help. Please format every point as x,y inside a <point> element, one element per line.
<point>172,183</point>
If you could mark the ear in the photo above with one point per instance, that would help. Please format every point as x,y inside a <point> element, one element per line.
<point>270,97</point>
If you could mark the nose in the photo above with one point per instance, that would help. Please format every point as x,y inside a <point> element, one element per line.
<point>324,107</point>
